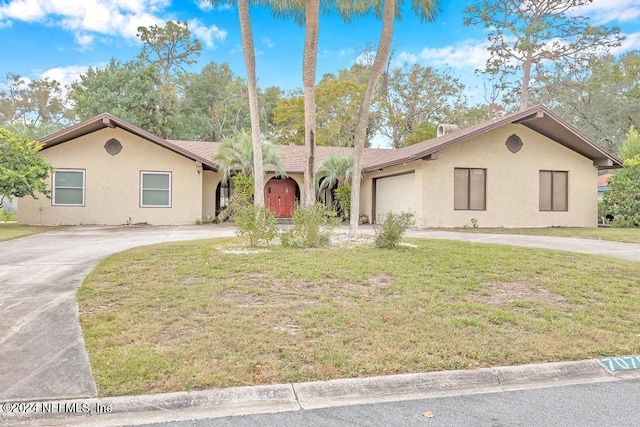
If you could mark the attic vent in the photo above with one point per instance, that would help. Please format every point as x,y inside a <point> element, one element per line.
<point>446,129</point>
<point>514,143</point>
<point>113,146</point>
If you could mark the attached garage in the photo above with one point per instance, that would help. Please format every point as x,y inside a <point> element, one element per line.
<point>395,193</point>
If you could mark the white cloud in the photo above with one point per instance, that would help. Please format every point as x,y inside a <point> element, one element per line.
<point>65,75</point>
<point>466,54</point>
<point>23,10</point>
<point>23,85</point>
<point>406,58</point>
<point>366,58</point>
<point>606,11</point>
<point>83,39</point>
<point>206,6</point>
<point>631,42</point>
<point>86,18</point>
<point>207,35</point>
<point>267,42</point>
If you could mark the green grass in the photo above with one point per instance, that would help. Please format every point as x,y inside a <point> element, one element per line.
<point>184,316</point>
<point>10,230</point>
<point>627,235</point>
<point>8,217</point>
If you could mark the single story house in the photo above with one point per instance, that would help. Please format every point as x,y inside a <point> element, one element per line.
<point>527,169</point>
<point>603,185</point>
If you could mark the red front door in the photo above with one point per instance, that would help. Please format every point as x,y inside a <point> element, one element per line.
<point>280,197</point>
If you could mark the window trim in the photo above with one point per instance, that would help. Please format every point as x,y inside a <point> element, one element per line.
<point>468,201</point>
<point>142,189</point>
<point>566,191</point>
<point>54,187</point>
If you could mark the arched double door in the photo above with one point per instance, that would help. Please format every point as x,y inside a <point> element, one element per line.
<point>280,196</point>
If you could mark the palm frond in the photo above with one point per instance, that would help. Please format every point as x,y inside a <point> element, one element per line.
<point>235,155</point>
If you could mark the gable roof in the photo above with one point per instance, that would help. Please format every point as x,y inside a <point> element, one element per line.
<point>539,119</point>
<point>106,120</point>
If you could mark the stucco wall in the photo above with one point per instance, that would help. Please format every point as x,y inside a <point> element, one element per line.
<point>366,188</point>
<point>512,183</point>
<point>112,189</point>
<point>210,182</point>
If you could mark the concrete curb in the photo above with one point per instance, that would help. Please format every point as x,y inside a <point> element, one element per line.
<point>308,395</point>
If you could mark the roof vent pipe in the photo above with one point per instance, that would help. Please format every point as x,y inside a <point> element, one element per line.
<point>446,129</point>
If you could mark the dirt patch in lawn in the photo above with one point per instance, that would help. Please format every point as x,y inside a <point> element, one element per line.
<point>503,293</point>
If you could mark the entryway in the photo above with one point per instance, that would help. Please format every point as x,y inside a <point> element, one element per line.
<point>280,196</point>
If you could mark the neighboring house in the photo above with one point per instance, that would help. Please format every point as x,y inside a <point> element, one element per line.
<point>9,206</point>
<point>603,185</point>
<point>527,169</point>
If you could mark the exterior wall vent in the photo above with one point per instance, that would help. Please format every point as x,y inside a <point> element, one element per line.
<point>113,146</point>
<point>514,143</point>
<point>446,129</point>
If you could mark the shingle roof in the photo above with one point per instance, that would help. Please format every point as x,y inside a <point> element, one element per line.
<point>603,180</point>
<point>538,118</point>
<point>293,155</point>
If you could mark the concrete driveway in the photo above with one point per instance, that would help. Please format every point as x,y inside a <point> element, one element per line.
<point>626,251</point>
<point>42,353</point>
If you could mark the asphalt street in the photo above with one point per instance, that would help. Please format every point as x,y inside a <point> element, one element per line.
<point>611,404</point>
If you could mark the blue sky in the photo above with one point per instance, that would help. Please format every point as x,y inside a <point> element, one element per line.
<point>61,38</point>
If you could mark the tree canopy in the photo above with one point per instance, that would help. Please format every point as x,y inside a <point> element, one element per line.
<point>22,169</point>
<point>527,38</point>
<point>170,48</point>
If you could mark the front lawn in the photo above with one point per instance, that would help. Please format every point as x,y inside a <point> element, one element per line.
<point>10,230</point>
<point>627,235</point>
<point>189,315</point>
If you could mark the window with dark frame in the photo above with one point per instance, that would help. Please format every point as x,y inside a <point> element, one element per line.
<point>554,189</point>
<point>469,189</point>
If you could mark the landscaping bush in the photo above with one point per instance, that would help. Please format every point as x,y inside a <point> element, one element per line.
<point>343,194</point>
<point>623,201</point>
<point>255,224</point>
<point>241,197</point>
<point>390,230</point>
<point>312,227</point>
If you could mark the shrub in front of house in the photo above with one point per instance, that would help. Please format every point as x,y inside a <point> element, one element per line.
<point>255,224</point>
<point>391,228</point>
<point>312,227</point>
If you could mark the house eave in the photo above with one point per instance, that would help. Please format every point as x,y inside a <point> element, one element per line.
<point>106,120</point>
<point>539,119</point>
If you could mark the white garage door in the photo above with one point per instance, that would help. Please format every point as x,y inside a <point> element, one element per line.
<point>396,194</point>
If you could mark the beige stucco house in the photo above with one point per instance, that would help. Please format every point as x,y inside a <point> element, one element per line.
<point>527,169</point>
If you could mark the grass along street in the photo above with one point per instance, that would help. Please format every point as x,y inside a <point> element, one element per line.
<point>626,235</point>
<point>194,315</point>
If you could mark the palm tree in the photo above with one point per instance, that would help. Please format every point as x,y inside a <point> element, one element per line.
<point>237,155</point>
<point>335,175</point>
<point>306,12</point>
<point>335,171</point>
<point>426,10</point>
<point>248,51</point>
<point>312,13</point>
